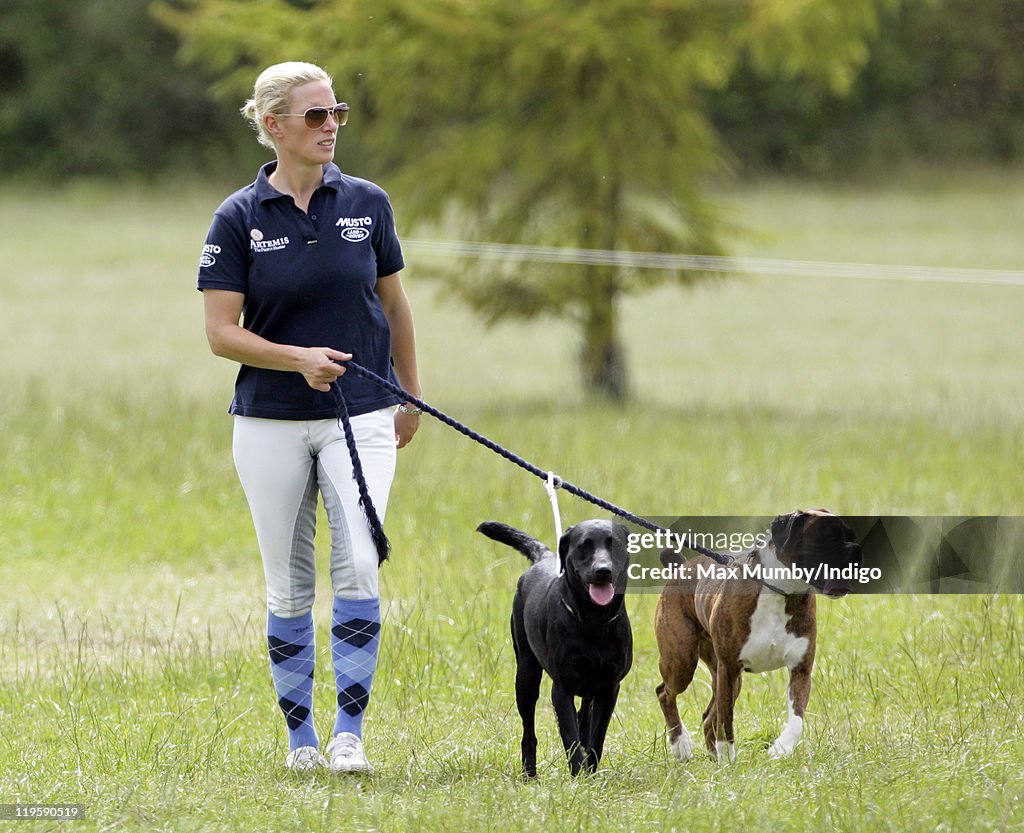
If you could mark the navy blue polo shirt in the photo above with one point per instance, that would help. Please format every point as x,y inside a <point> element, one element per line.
<point>308,280</point>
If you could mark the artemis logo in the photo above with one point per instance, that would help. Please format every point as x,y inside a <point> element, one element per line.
<point>260,246</point>
<point>207,257</point>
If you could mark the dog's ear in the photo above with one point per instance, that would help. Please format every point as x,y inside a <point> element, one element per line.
<point>620,532</point>
<point>786,528</point>
<point>563,547</point>
<point>828,538</point>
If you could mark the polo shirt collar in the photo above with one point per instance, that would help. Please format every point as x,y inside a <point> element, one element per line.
<point>265,191</point>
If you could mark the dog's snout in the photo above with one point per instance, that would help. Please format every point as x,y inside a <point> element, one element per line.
<point>836,589</point>
<point>602,573</point>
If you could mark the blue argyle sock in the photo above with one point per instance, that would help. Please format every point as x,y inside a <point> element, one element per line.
<point>292,660</point>
<point>355,638</point>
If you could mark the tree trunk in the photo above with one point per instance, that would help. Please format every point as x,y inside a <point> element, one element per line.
<point>602,358</point>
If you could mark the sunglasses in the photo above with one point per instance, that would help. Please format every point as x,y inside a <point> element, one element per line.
<point>316,116</point>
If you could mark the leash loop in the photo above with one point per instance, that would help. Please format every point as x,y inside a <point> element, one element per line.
<point>551,485</point>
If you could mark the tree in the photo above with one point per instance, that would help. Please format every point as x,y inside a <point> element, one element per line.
<point>90,87</point>
<point>561,122</point>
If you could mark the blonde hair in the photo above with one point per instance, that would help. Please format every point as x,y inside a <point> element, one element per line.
<point>272,91</point>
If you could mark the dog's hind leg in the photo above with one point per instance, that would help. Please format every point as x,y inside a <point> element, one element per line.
<point>727,689</point>
<point>710,716</point>
<point>528,675</point>
<point>677,668</point>
<point>708,722</point>
<point>678,738</point>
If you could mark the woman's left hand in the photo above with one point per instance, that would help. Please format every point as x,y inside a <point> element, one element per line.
<point>406,426</point>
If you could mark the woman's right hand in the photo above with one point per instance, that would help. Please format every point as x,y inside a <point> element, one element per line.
<point>320,366</point>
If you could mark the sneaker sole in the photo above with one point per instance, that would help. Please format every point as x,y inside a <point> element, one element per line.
<point>351,769</point>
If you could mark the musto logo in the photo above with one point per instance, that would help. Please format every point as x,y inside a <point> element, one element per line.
<point>207,258</point>
<point>354,229</point>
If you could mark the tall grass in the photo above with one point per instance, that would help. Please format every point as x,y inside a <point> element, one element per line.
<point>134,674</point>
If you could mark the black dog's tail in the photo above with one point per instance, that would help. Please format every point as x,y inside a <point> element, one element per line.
<point>505,534</point>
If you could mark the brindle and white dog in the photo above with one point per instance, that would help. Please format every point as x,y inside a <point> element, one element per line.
<point>737,624</point>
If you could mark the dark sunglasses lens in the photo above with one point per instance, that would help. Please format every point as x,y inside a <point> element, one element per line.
<point>341,114</point>
<point>316,116</point>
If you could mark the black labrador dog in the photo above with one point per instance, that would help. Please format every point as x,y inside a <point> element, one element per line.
<point>569,619</point>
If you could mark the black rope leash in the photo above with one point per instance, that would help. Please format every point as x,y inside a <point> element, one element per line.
<point>380,539</point>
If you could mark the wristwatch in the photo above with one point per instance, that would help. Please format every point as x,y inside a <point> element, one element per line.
<point>405,409</point>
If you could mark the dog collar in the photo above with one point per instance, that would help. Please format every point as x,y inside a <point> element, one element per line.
<point>778,590</point>
<point>772,587</point>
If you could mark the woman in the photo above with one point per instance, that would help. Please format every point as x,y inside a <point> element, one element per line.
<point>307,259</point>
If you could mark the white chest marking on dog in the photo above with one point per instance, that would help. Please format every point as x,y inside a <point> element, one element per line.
<point>769,645</point>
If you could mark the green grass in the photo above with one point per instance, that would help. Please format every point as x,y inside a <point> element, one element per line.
<point>134,678</point>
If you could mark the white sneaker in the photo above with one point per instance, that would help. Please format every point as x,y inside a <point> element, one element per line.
<point>305,759</point>
<point>345,753</point>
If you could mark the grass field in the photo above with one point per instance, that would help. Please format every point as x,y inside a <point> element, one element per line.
<point>134,678</point>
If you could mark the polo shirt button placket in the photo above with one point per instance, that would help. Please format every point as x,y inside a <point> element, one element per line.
<point>314,236</point>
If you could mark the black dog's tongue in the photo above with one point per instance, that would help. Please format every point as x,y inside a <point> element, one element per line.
<point>601,594</point>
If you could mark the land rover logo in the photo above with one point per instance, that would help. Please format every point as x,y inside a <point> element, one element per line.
<point>207,257</point>
<point>354,234</point>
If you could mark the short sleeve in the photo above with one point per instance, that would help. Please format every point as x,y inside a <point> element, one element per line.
<point>224,262</point>
<point>386,245</point>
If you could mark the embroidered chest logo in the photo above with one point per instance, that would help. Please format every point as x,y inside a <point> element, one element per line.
<point>258,244</point>
<point>354,229</point>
